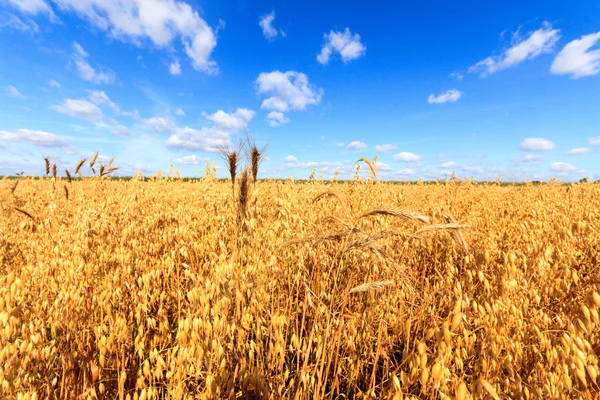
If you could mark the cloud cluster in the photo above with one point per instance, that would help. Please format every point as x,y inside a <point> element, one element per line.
<point>136,21</point>
<point>344,43</point>
<point>208,139</point>
<point>232,122</point>
<point>286,90</point>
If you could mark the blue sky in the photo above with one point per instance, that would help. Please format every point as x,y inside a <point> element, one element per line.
<point>478,89</point>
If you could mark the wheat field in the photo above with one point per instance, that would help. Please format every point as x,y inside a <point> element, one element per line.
<point>164,288</point>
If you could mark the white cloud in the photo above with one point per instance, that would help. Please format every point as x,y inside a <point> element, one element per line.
<point>291,159</point>
<point>54,84</point>
<point>577,151</point>
<point>458,75</point>
<point>448,164</point>
<point>356,145</point>
<point>190,160</point>
<point>347,45</point>
<point>576,58</point>
<point>37,138</point>
<point>562,167</point>
<point>385,148</point>
<point>180,112</point>
<point>289,89</point>
<point>382,166</point>
<point>79,109</point>
<point>406,157</point>
<point>205,139</point>
<point>14,92</point>
<point>314,164</point>
<point>32,6</point>
<point>451,96</point>
<point>86,71</point>
<point>594,141</point>
<point>238,120</point>
<point>275,118</point>
<point>100,98</point>
<point>158,124</point>
<point>266,24</point>
<point>531,158</point>
<point>18,24</point>
<point>175,68</point>
<point>160,21</point>
<point>120,130</point>
<point>403,172</point>
<point>537,144</point>
<point>340,144</point>
<point>538,42</point>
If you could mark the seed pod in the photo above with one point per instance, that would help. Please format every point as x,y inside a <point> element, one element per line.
<point>461,391</point>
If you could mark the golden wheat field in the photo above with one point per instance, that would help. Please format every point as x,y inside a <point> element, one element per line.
<point>302,290</point>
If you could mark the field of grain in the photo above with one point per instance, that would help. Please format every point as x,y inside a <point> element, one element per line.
<point>364,289</point>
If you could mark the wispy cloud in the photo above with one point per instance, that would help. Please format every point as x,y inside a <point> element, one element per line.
<point>385,148</point>
<point>275,118</point>
<point>538,42</point>
<point>577,151</point>
<point>268,29</point>
<point>357,145</point>
<point>36,138</point>
<point>449,96</point>
<point>86,71</point>
<point>79,109</point>
<point>14,92</point>
<point>190,160</point>
<point>594,141</point>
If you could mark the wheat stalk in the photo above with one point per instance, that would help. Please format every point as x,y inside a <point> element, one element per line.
<point>367,286</point>
<point>397,212</point>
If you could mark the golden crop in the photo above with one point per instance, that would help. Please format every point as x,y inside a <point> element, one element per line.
<point>172,289</point>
